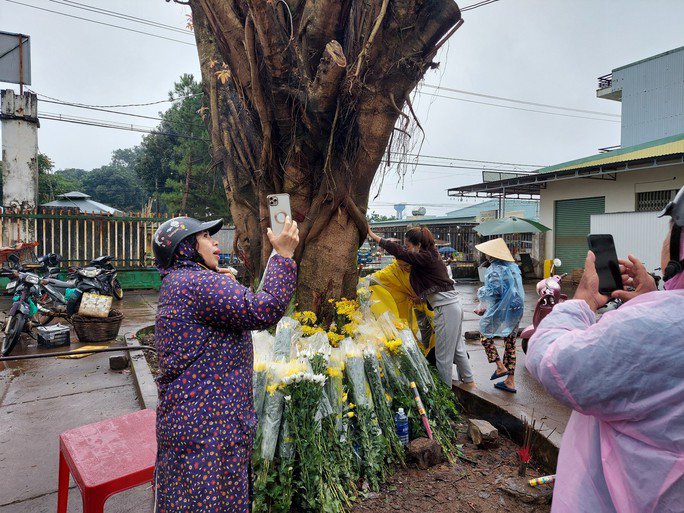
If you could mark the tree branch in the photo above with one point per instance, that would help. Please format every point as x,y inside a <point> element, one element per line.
<point>324,89</point>
<point>273,41</point>
<point>371,38</point>
<point>262,108</point>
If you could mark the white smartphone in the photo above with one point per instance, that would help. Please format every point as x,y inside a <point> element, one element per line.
<point>279,210</point>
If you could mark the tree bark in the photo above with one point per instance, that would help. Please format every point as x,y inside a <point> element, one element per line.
<point>303,97</point>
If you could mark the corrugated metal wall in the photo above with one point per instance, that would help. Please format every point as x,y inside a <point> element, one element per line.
<point>652,98</point>
<point>225,237</point>
<point>571,227</point>
<point>635,233</point>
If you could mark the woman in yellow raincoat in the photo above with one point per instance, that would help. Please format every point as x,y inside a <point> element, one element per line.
<point>391,291</point>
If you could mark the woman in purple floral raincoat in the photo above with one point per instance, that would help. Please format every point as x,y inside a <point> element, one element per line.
<point>205,417</point>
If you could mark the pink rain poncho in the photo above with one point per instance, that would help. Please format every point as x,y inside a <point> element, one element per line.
<point>623,447</point>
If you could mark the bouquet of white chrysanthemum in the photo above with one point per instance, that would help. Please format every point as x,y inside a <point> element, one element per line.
<point>316,350</point>
<point>304,390</point>
<point>280,374</point>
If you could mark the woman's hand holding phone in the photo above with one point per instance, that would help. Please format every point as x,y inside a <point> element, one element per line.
<point>588,288</point>
<point>635,278</point>
<point>286,241</point>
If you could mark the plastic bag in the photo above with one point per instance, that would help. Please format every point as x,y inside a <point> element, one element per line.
<point>415,355</point>
<point>270,424</point>
<point>263,357</point>
<point>354,369</point>
<point>285,333</point>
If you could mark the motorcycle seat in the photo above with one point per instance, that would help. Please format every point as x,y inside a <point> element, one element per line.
<point>62,284</point>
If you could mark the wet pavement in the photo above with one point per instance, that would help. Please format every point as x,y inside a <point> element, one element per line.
<point>41,398</point>
<point>531,400</point>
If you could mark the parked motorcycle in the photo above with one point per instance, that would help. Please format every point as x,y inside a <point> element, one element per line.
<point>104,263</point>
<point>26,291</point>
<point>549,291</point>
<point>68,294</point>
<point>38,300</point>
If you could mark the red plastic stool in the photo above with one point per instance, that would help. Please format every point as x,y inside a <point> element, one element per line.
<point>106,458</point>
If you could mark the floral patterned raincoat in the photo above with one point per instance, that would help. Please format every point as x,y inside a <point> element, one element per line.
<point>205,417</point>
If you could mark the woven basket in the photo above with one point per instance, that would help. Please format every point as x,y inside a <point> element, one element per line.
<point>94,329</point>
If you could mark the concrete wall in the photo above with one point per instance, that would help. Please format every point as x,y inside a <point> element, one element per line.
<point>623,226</point>
<point>652,98</point>
<point>620,194</point>
<point>19,149</point>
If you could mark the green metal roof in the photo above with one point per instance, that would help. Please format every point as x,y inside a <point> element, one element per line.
<point>666,146</point>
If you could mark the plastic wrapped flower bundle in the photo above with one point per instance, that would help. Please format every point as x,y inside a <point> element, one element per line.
<point>383,404</point>
<point>326,425</point>
<point>263,355</point>
<point>285,334</point>
<point>367,436</point>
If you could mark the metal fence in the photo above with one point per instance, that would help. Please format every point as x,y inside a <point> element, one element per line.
<point>80,237</point>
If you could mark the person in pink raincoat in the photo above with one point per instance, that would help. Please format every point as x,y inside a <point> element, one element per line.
<point>623,447</point>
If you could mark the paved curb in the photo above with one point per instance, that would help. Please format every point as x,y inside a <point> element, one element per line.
<point>145,385</point>
<point>508,419</point>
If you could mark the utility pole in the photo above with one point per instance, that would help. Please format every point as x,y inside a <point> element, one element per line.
<point>186,191</point>
<point>19,115</point>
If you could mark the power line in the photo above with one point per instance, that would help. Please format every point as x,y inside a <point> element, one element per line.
<point>479,4</point>
<point>442,88</point>
<point>122,16</point>
<point>119,105</point>
<point>142,116</point>
<point>462,167</point>
<point>419,155</point>
<point>114,125</point>
<point>150,130</point>
<point>101,23</point>
<point>114,14</point>
<point>518,108</point>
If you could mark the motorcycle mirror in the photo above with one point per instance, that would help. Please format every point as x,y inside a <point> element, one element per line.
<point>557,262</point>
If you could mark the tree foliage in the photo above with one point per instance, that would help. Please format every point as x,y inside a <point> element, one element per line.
<point>175,164</point>
<point>374,217</point>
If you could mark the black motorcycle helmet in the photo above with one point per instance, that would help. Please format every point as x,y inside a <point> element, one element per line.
<point>675,209</point>
<point>170,233</point>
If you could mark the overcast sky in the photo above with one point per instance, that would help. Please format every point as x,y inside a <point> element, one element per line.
<point>541,51</point>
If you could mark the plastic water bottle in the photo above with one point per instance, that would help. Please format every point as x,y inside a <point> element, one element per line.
<point>402,425</point>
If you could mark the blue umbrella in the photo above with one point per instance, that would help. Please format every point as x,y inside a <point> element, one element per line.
<point>447,249</point>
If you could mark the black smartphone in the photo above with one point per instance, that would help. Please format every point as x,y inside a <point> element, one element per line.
<point>607,266</point>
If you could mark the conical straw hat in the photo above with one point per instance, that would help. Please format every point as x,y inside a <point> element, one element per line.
<point>496,248</point>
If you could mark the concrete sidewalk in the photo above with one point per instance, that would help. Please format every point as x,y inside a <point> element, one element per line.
<point>504,409</point>
<point>41,398</point>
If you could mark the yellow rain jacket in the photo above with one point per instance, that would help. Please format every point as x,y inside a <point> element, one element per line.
<point>391,291</point>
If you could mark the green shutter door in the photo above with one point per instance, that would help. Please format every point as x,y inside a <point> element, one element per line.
<point>571,227</point>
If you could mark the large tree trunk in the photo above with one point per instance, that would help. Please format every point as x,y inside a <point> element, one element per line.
<point>302,97</point>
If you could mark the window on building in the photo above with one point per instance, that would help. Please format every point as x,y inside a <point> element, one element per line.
<point>654,200</point>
